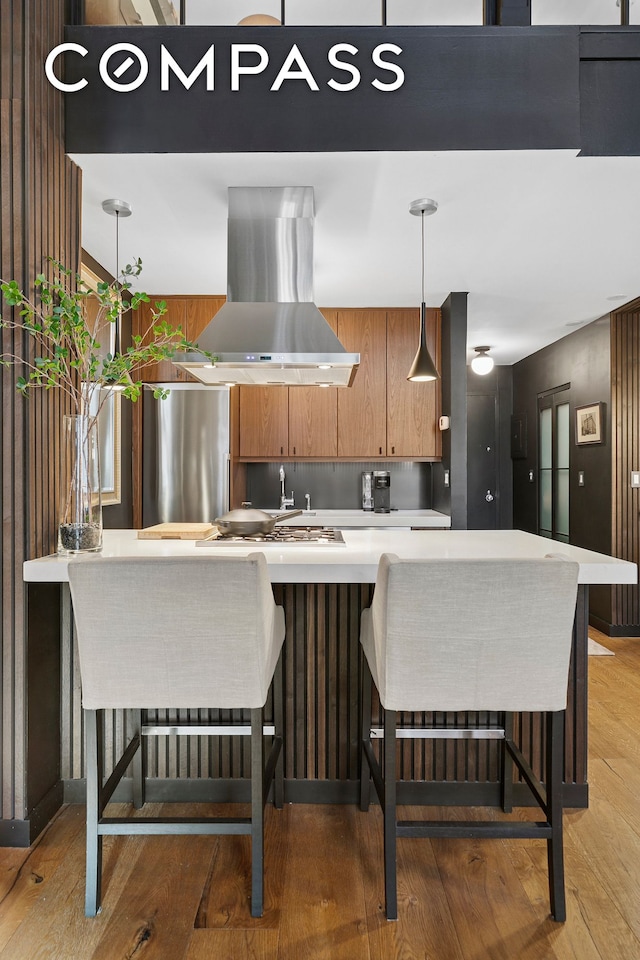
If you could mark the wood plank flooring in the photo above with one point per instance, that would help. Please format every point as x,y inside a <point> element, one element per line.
<point>186,898</point>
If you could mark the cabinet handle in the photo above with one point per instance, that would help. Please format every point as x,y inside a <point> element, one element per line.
<point>380,449</point>
<point>294,451</point>
<point>393,449</point>
<point>281,449</point>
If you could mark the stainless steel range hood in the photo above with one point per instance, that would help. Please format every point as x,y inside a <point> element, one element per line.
<point>270,331</point>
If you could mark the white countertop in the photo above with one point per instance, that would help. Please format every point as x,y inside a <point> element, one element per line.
<point>362,518</point>
<point>355,561</point>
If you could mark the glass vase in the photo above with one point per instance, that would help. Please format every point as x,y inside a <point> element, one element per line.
<point>80,519</point>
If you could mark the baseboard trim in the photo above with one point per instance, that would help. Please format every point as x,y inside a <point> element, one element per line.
<point>22,833</point>
<point>615,630</point>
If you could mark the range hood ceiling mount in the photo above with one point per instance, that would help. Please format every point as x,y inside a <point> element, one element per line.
<point>270,332</point>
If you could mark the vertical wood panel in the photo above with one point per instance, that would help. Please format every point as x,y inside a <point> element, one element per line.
<point>625,452</point>
<point>40,193</point>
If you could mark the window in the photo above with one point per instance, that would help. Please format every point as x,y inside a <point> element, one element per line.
<point>337,12</point>
<point>132,13</point>
<point>574,12</point>
<point>434,12</point>
<point>227,13</point>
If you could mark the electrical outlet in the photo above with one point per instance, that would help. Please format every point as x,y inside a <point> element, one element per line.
<point>635,478</point>
<point>581,478</point>
<point>446,478</point>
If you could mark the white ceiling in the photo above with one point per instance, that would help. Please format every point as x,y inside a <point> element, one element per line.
<point>543,241</point>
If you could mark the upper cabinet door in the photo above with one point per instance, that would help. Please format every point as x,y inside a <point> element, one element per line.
<point>413,409</point>
<point>264,421</point>
<point>362,407</point>
<point>141,324</point>
<point>313,419</point>
<point>200,311</point>
<point>313,415</point>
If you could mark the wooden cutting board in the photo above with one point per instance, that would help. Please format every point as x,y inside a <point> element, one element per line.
<point>177,531</point>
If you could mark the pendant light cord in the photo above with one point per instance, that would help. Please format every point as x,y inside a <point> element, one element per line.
<point>116,339</point>
<point>422,221</point>
<point>117,241</point>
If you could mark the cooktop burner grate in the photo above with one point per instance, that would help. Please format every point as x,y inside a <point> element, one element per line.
<point>281,536</point>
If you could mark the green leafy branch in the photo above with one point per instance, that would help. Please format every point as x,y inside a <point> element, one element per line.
<point>66,351</point>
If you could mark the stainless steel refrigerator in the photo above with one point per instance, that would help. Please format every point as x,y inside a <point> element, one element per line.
<point>186,456</point>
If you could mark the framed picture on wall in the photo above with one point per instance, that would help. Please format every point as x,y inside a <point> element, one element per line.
<point>590,423</point>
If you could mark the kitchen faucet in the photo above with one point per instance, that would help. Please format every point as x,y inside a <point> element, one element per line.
<point>285,501</point>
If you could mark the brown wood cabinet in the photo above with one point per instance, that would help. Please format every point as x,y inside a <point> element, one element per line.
<point>413,409</point>
<point>141,325</point>
<point>380,415</point>
<point>362,408</point>
<point>313,415</point>
<point>191,313</point>
<point>200,310</point>
<point>294,422</point>
<point>264,422</point>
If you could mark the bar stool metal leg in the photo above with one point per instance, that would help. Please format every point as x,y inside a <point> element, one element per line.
<point>365,771</point>
<point>555,857</point>
<point>390,817</point>
<point>278,719</point>
<point>94,762</point>
<point>257,813</point>
<point>506,784</point>
<point>138,765</point>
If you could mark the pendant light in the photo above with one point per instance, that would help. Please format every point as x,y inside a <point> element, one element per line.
<point>117,209</point>
<point>482,364</point>
<point>259,20</point>
<point>423,368</point>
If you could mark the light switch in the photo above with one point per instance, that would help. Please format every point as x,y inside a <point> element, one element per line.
<point>635,478</point>
<point>446,478</point>
<point>581,478</point>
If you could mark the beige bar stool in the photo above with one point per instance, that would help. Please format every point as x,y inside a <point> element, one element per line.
<point>176,633</point>
<point>469,635</point>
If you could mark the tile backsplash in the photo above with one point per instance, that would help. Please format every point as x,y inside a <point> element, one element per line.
<point>337,486</point>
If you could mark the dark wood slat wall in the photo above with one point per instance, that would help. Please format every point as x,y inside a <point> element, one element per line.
<point>40,218</point>
<point>625,451</point>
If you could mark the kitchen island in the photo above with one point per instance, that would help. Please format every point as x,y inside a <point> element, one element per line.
<point>323,590</point>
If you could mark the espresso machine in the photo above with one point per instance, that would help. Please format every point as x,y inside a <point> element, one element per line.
<point>381,491</point>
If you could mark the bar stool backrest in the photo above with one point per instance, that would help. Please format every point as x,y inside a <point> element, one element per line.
<point>174,632</point>
<point>473,634</point>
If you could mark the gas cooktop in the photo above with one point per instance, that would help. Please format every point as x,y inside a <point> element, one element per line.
<point>281,536</point>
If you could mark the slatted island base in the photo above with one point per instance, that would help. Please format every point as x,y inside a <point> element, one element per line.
<point>323,591</point>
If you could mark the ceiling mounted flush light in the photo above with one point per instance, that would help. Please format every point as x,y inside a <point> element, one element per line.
<point>423,368</point>
<point>482,364</point>
<point>117,209</point>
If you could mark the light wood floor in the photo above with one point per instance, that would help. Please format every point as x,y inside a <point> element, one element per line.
<point>174,898</point>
